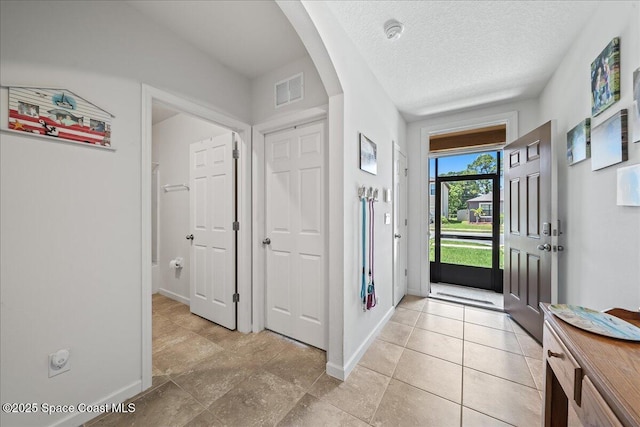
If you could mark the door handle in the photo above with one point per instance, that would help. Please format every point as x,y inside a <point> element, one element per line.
<point>546,247</point>
<point>266,241</point>
<point>190,237</point>
<point>397,236</point>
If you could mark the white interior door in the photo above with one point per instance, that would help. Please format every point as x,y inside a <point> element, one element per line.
<point>212,204</point>
<point>400,227</point>
<point>296,288</point>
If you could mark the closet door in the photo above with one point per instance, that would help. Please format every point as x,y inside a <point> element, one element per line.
<point>296,289</point>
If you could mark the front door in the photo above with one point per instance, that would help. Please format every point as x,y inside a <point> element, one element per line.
<point>400,227</point>
<point>212,214</point>
<point>528,250</point>
<point>296,288</point>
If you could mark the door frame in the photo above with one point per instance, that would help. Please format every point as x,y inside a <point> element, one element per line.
<point>398,149</point>
<point>213,115</point>
<point>258,202</point>
<point>509,118</point>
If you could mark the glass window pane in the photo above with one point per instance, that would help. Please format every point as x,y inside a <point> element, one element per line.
<point>468,164</point>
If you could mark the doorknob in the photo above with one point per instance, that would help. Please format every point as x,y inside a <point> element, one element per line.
<point>266,241</point>
<point>190,237</point>
<point>397,236</point>
<point>546,247</point>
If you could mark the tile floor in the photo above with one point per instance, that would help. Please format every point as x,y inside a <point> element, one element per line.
<point>467,296</point>
<point>434,364</point>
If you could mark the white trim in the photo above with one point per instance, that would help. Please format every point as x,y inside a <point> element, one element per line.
<point>210,114</point>
<point>258,179</point>
<point>174,296</point>
<point>509,118</point>
<point>119,396</point>
<point>397,149</point>
<point>343,372</point>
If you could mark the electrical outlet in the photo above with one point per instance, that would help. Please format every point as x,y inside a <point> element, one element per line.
<point>59,362</point>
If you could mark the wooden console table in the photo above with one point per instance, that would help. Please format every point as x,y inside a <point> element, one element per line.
<point>598,376</point>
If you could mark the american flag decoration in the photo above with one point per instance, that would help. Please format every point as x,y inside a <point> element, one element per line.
<point>58,113</point>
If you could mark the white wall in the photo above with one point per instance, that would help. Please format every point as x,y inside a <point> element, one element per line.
<point>171,140</point>
<point>367,109</point>
<point>600,267</point>
<point>418,268</point>
<point>70,262</point>
<point>263,96</point>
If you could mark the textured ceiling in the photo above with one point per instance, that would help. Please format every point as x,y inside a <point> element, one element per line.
<point>461,54</point>
<point>249,37</point>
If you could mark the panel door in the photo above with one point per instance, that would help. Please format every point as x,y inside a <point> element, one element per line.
<point>212,204</point>
<point>527,269</point>
<point>296,289</point>
<point>400,227</point>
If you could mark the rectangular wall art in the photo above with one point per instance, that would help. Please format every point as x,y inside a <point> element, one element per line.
<point>58,113</point>
<point>605,78</point>
<point>579,142</point>
<point>609,141</point>
<point>368,155</point>
<point>628,193</point>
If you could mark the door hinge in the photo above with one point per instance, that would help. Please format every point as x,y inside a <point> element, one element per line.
<point>236,226</point>
<point>236,153</point>
<point>236,297</point>
<point>405,221</point>
<point>405,271</point>
<point>406,171</point>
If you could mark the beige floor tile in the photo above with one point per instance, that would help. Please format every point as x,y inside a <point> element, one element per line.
<point>502,399</point>
<point>516,328</point>
<point>437,345</point>
<point>382,357</point>
<point>160,303</point>
<point>537,369</point>
<point>220,335</point>
<point>405,316</point>
<point>168,335</point>
<point>451,311</point>
<point>530,347</point>
<point>193,322</point>
<point>489,318</point>
<point>500,363</point>
<point>205,419</point>
<point>442,325</point>
<point>313,412</point>
<point>395,333</point>
<point>404,405</point>
<point>502,340</point>
<point>413,302</point>
<point>262,399</point>
<point>359,395</point>
<point>209,380</point>
<point>168,405</point>
<point>299,364</point>
<point>431,374</point>
<point>174,310</point>
<point>178,358</point>
<point>471,418</point>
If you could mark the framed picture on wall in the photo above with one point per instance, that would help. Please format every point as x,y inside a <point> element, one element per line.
<point>605,78</point>
<point>628,191</point>
<point>579,142</point>
<point>368,155</point>
<point>609,142</point>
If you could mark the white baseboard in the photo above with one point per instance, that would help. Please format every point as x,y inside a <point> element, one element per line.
<point>79,418</point>
<point>342,372</point>
<point>416,292</point>
<point>174,296</point>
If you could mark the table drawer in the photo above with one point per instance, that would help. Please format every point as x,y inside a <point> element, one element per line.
<point>564,366</point>
<point>595,411</point>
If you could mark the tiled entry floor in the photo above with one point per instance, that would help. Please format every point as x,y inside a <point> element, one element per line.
<point>434,364</point>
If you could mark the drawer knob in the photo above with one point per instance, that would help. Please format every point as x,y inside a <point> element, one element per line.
<point>552,354</point>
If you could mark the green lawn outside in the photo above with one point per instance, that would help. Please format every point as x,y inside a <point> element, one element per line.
<point>465,256</point>
<point>466,226</point>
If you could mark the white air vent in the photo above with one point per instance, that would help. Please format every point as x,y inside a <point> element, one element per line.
<point>289,90</point>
